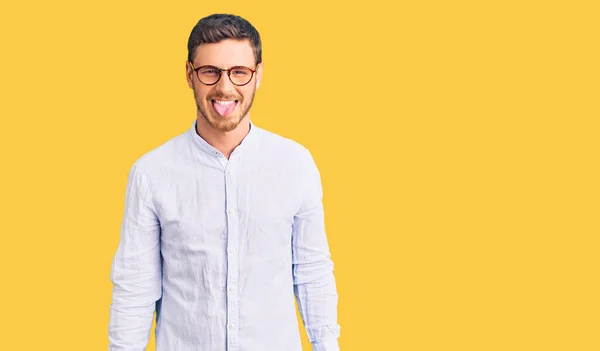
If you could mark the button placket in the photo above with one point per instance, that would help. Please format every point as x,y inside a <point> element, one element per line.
<point>232,258</point>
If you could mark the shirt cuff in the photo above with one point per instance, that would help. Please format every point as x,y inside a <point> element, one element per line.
<point>326,344</point>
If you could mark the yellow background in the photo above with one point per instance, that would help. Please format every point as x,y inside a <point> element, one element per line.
<point>457,142</point>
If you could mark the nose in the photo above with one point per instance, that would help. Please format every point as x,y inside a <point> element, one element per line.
<point>224,85</point>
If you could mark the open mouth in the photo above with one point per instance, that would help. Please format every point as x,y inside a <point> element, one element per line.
<point>224,107</point>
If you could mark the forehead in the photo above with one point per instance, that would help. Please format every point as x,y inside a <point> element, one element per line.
<point>226,53</point>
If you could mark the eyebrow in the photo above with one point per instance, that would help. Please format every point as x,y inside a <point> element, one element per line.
<point>238,65</point>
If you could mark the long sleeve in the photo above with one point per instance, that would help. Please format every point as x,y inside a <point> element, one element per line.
<point>136,269</point>
<point>314,281</point>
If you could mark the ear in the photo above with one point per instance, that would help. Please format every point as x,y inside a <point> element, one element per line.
<point>259,72</point>
<point>189,74</point>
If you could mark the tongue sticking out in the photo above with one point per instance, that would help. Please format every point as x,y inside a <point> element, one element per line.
<point>224,109</point>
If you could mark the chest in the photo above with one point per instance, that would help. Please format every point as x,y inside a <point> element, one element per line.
<point>201,209</point>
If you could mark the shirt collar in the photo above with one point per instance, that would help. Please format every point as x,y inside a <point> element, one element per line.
<point>249,140</point>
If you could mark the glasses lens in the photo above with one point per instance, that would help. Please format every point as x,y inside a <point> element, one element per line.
<point>240,75</point>
<point>208,74</point>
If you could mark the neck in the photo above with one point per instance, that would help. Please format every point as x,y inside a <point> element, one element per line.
<point>225,142</point>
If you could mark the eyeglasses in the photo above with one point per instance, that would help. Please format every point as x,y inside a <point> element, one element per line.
<point>210,75</point>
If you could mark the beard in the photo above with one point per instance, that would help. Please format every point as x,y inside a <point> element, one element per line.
<point>218,122</point>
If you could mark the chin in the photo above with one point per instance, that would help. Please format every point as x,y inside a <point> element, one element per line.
<point>224,124</point>
<point>217,122</point>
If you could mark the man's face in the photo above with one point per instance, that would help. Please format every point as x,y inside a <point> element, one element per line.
<point>224,105</point>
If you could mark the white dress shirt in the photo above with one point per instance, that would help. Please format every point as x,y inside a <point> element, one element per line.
<point>222,248</point>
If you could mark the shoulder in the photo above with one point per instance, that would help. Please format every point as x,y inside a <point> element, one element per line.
<point>280,147</point>
<point>295,160</point>
<point>153,162</point>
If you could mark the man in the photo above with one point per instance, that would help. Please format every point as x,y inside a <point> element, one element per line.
<point>223,225</point>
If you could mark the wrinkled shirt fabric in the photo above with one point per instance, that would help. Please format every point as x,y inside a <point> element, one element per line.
<point>222,248</point>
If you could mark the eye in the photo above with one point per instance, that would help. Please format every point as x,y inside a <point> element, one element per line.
<point>240,72</point>
<point>209,71</point>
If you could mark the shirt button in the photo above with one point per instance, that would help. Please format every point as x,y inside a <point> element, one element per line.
<point>231,289</point>
<point>232,250</point>
<point>231,211</point>
<point>230,327</point>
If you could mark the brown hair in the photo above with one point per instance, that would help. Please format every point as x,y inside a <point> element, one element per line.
<point>218,27</point>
